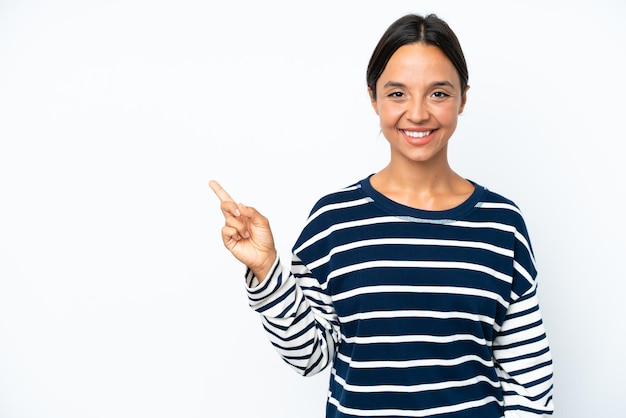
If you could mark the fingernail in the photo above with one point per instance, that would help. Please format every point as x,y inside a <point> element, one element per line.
<point>246,234</point>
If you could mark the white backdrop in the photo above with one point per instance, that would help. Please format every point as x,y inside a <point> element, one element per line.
<point>117,298</point>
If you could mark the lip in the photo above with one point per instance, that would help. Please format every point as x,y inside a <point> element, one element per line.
<point>421,140</point>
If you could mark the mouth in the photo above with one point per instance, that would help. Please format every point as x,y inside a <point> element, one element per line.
<point>418,138</point>
<point>415,134</point>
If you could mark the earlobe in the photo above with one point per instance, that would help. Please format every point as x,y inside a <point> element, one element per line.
<point>372,100</point>
<point>463,100</point>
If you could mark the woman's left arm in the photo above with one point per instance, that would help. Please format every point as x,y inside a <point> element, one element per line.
<point>524,361</point>
<point>520,350</point>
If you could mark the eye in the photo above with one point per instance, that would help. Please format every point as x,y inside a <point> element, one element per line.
<point>396,95</point>
<point>440,95</point>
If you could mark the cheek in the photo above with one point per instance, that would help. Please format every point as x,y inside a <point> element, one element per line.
<point>388,115</point>
<point>448,116</point>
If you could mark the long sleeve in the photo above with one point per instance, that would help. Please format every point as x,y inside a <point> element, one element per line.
<point>523,360</point>
<point>521,351</point>
<point>297,315</point>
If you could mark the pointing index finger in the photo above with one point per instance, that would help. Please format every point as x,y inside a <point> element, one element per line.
<point>222,195</point>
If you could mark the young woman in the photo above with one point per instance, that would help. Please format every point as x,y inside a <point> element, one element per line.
<point>417,286</point>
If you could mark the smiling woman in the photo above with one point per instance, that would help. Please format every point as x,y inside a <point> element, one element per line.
<point>117,296</point>
<point>418,102</point>
<point>416,286</point>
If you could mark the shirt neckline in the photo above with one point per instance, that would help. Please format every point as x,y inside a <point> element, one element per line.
<point>399,209</point>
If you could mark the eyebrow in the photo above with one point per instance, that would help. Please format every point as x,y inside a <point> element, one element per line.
<point>433,84</point>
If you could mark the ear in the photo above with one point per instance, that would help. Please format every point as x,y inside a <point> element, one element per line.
<point>463,100</point>
<point>373,100</point>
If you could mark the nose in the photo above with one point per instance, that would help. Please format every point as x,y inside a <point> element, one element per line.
<point>417,110</point>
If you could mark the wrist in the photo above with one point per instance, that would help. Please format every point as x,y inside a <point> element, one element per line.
<point>261,272</point>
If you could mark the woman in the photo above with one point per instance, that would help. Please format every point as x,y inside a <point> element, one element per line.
<point>416,285</point>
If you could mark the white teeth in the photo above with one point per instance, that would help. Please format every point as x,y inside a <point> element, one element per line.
<point>417,134</point>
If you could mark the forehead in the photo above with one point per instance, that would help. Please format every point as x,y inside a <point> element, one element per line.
<point>419,61</point>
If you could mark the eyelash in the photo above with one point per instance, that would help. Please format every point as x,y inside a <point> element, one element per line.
<point>436,95</point>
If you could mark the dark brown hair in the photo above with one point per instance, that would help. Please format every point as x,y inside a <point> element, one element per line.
<point>410,29</point>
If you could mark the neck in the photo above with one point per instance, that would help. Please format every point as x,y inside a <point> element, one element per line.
<point>422,186</point>
<point>419,175</point>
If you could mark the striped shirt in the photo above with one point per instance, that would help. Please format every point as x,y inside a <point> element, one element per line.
<point>419,313</point>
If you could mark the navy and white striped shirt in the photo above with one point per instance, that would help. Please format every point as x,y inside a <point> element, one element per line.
<point>420,313</point>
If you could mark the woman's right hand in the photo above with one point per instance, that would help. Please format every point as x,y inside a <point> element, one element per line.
<point>246,234</point>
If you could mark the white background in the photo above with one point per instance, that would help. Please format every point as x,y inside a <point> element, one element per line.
<point>117,298</point>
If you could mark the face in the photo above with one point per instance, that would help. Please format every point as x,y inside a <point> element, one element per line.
<point>418,101</point>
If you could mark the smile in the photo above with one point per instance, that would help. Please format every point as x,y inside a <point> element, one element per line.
<point>414,134</point>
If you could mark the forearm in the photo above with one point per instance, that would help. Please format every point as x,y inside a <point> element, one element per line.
<point>524,361</point>
<point>303,335</point>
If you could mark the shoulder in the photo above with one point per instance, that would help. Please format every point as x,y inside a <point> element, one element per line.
<point>492,197</point>
<point>496,207</point>
<point>338,198</point>
<point>344,204</point>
